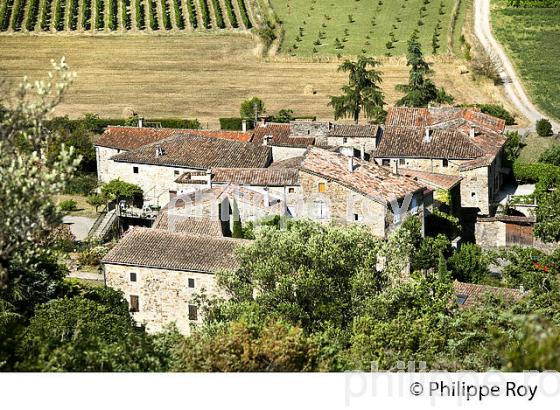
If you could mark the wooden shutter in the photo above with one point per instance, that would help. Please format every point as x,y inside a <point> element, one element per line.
<point>134,303</point>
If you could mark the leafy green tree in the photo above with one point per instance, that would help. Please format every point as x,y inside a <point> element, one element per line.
<point>118,190</point>
<point>548,216</point>
<point>96,200</point>
<point>283,116</point>
<point>469,264</point>
<point>81,334</point>
<point>363,92</point>
<point>512,147</point>
<point>544,128</point>
<point>420,90</point>
<point>252,108</point>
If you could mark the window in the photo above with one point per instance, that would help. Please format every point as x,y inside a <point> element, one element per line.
<point>357,217</point>
<point>134,304</point>
<point>461,298</point>
<point>191,283</point>
<point>291,190</point>
<point>321,187</point>
<point>402,161</point>
<point>176,172</point>
<point>345,140</point>
<point>386,162</point>
<point>321,210</point>
<point>445,163</point>
<point>193,312</point>
<point>133,276</point>
<point>135,170</point>
<point>473,194</point>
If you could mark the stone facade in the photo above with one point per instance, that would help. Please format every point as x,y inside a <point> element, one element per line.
<point>280,153</point>
<point>317,129</point>
<point>163,295</point>
<point>368,145</point>
<point>344,206</point>
<point>478,187</point>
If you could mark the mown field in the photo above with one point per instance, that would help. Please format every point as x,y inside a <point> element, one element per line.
<point>352,27</point>
<point>51,16</point>
<point>532,38</point>
<point>204,76</point>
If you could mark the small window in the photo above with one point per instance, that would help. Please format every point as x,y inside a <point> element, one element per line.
<point>193,312</point>
<point>133,276</point>
<point>445,163</point>
<point>322,187</point>
<point>345,140</point>
<point>291,190</point>
<point>473,194</point>
<point>308,132</point>
<point>461,298</point>
<point>386,162</point>
<point>135,170</point>
<point>191,283</point>
<point>118,151</point>
<point>134,303</point>
<point>176,172</point>
<point>402,161</point>
<point>357,217</point>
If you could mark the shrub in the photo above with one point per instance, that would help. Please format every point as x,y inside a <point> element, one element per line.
<point>233,124</point>
<point>551,156</point>
<point>469,264</point>
<point>92,256</point>
<point>544,128</point>
<point>81,184</point>
<point>68,205</point>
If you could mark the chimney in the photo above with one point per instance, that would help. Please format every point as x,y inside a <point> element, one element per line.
<point>350,163</point>
<point>244,125</point>
<point>159,151</point>
<point>140,122</point>
<point>209,178</point>
<point>263,121</point>
<point>267,139</point>
<point>428,135</point>
<point>395,167</point>
<point>472,132</point>
<point>363,152</point>
<point>266,198</point>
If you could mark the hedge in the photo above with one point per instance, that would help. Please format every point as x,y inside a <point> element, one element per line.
<point>234,124</point>
<point>244,14</point>
<point>544,175</point>
<point>534,3</point>
<point>73,14</point>
<point>113,15</point>
<point>205,14</point>
<point>152,11</point>
<point>59,15</point>
<point>32,14</point>
<point>17,14</point>
<point>125,14</point>
<point>179,21</point>
<point>102,123</point>
<point>140,15</point>
<point>46,15</point>
<point>192,13</point>
<point>86,15</point>
<point>99,22</point>
<point>165,15</point>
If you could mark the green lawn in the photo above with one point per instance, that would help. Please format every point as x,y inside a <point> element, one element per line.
<point>532,39</point>
<point>534,146</point>
<point>362,25</point>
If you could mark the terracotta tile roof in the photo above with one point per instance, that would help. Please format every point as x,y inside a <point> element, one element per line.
<point>469,294</point>
<point>256,176</point>
<point>200,153</point>
<point>281,136</point>
<point>129,138</point>
<point>410,142</point>
<point>367,178</point>
<point>294,162</point>
<point>161,249</point>
<point>442,116</point>
<point>431,179</point>
<point>188,224</point>
<point>354,131</point>
<point>198,178</point>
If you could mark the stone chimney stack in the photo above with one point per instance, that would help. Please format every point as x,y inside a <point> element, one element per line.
<point>159,151</point>
<point>244,125</point>
<point>267,139</point>
<point>350,163</point>
<point>140,122</point>
<point>428,135</point>
<point>266,197</point>
<point>363,152</point>
<point>472,132</point>
<point>209,178</point>
<point>395,167</point>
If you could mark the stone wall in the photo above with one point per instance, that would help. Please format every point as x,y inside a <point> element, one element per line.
<point>317,129</point>
<point>367,144</point>
<point>490,234</point>
<point>281,153</point>
<point>164,295</point>
<point>475,189</point>
<point>104,162</point>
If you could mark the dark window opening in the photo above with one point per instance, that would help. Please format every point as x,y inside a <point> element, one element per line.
<point>445,163</point>
<point>193,312</point>
<point>356,217</point>
<point>176,172</point>
<point>461,298</point>
<point>291,190</point>
<point>386,162</point>
<point>402,161</point>
<point>191,283</point>
<point>344,140</point>
<point>134,303</point>
<point>133,276</point>
<point>135,170</point>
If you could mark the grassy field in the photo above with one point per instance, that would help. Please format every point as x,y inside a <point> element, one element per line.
<point>534,146</point>
<point>532,39</point>
<point>84,209</point>
<point>351,27</point>
<point>204,76</point>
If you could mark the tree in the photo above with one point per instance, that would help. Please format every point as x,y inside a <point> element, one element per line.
<point>363,92</point>
<point>548,216</point>
<point>28,183</point>
<point>118,190</point>
<point>84,334</point>
<point>283,116</point>
<point>96,200</point>
<point>544,128</point>
<point>253,108</point>
<point>512,147</point>
<point>551,155</point>
<point>469,264</point>
<point>420,90</point>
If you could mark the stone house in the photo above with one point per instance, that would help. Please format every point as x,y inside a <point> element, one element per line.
<point>281,138</point>
<point>160,272</point>
<point>346,190</point>
<point>468,295</point>
<point>453,141</point>
<point>155,166</point>
<point>363,138</point>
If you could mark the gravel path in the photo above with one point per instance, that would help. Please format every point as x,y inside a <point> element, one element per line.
<point>512,85</point>
<point>79,225</point>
